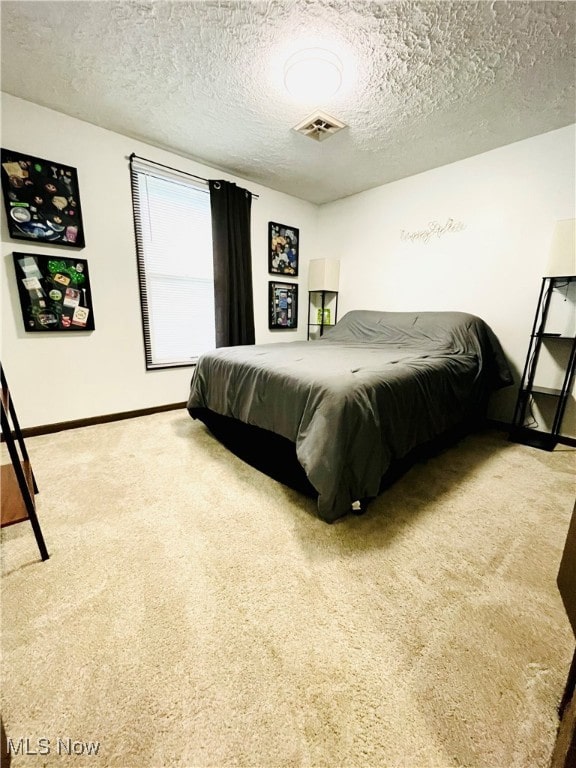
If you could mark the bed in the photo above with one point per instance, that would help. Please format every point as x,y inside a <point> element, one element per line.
<point>352,404</point>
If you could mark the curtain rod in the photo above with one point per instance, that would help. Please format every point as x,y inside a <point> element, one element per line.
<point>177,170</point>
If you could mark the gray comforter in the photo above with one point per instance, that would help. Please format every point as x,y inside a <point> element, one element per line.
<point>373,388</point>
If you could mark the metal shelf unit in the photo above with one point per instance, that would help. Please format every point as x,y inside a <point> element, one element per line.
<point>522,430</point>
<point>322,312</point>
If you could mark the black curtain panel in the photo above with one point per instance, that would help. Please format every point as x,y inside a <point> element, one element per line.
<point>234,306</point>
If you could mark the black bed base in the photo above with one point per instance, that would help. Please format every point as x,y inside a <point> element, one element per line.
<point>275,455</point>
<point>271,454</point>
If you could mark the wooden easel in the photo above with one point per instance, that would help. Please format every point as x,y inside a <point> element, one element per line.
<point>18,484</point>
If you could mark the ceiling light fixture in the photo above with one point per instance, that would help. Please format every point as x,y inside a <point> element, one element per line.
<point>313,74</point>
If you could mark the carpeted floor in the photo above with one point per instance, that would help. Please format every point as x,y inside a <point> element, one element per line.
<point>196,613</point>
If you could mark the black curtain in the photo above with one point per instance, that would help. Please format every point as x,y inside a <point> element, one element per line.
<point>234,306</point>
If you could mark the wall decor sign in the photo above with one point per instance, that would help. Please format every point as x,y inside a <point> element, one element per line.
<point>283,305</point>
<point>283,244</point>
<point>54,292</point>
<point>434,229</point>
<point>42,200</point>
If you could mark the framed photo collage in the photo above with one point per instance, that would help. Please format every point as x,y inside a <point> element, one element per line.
<point>283,253</point>
<point>42,202</point>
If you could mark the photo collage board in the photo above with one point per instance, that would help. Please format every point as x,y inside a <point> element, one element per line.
<point>283,256</point>
<point>42,203</point>
<point>42,200</point>
<point>54,292</point>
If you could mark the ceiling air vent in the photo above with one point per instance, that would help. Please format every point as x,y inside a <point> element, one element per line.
<point>319,126</point>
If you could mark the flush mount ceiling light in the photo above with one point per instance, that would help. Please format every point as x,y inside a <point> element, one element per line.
<point>313,74</point>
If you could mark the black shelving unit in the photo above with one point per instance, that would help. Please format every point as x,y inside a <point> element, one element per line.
<point>17,481</point>
<point>322,312</point>
<point>562,347</point>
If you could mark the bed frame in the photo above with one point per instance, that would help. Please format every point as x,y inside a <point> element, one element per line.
<point>275,456</point>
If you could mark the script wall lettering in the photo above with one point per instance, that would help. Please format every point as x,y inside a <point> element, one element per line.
<point>433,229</point>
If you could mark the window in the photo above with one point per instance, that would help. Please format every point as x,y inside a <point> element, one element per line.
<point>174,246</point>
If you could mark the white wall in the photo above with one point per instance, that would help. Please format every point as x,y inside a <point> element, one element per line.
<point>59,377</point>
<point>506,202</point>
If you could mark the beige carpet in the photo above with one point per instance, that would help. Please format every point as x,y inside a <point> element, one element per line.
<point>196,613</point>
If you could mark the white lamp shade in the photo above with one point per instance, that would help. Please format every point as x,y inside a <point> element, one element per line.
<point>323,275</point>
<point>562,259</point>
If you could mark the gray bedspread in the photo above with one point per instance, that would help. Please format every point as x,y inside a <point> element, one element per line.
<point>374,387</point>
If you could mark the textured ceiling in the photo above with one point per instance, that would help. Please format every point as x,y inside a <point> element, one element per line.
<point>424,83</point>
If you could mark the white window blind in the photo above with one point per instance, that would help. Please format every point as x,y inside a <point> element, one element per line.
<point>174,245</point>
